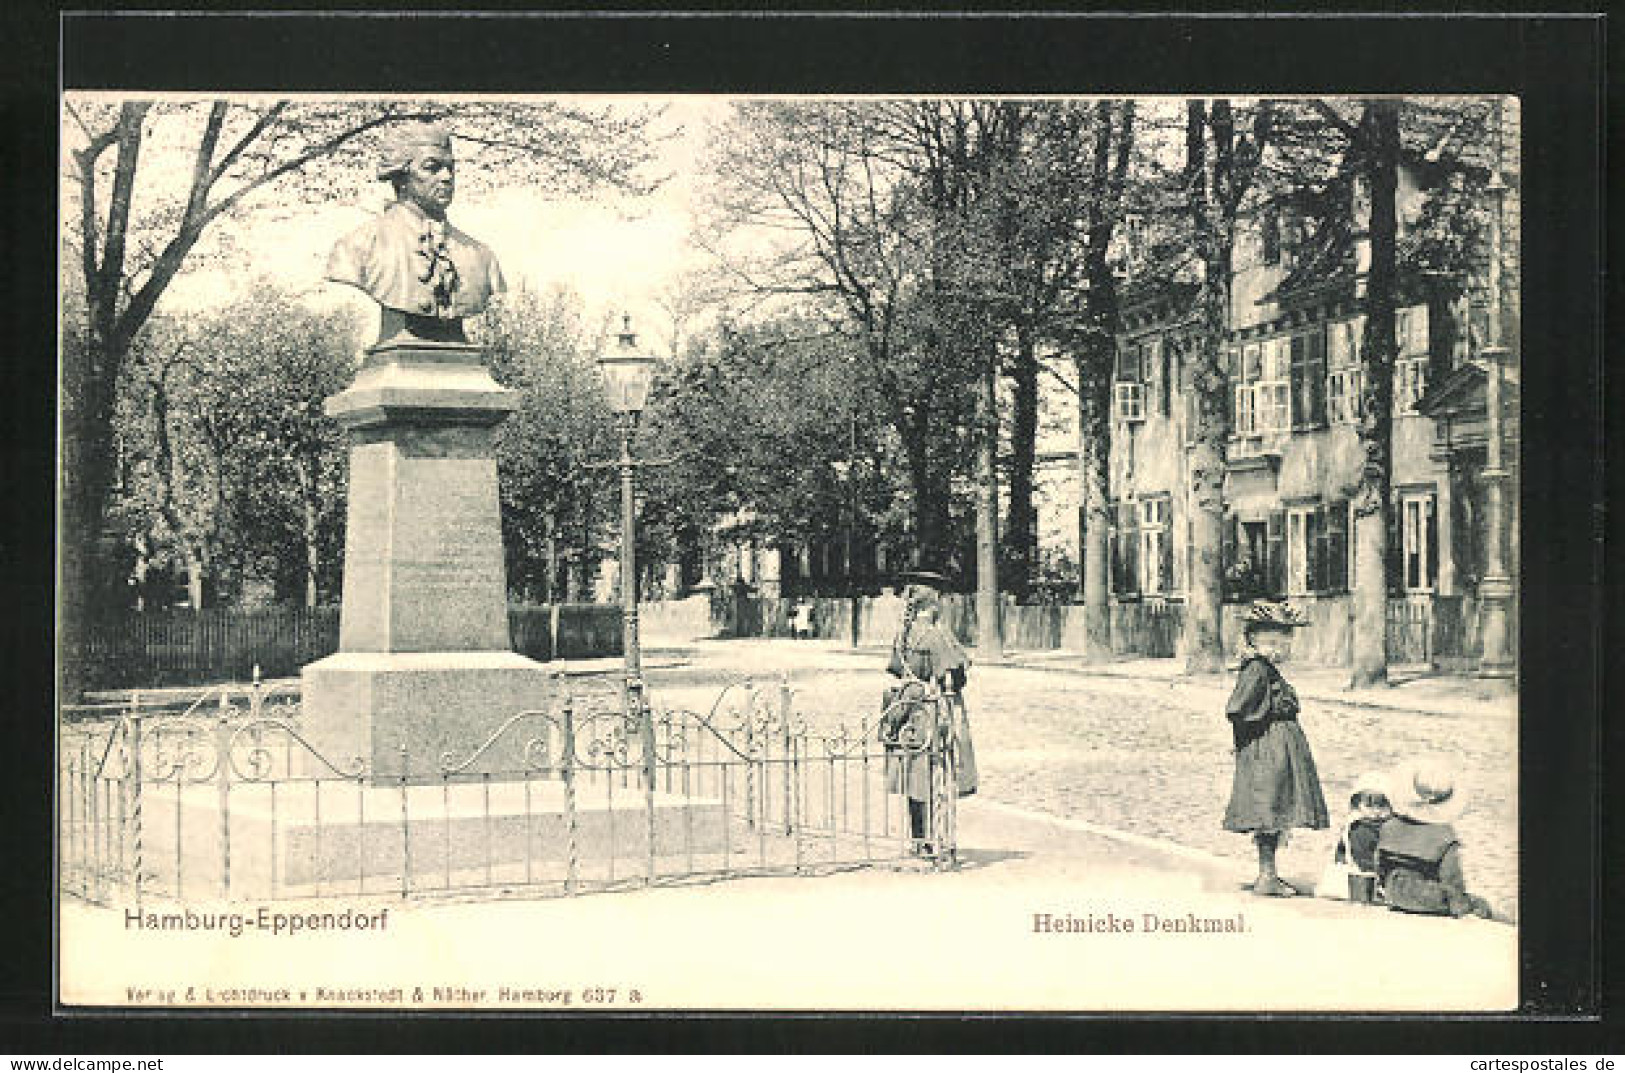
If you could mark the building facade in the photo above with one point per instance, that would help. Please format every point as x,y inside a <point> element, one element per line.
<point>1293,460</point>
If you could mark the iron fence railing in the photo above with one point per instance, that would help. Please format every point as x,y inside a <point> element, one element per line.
<point>228,800</point>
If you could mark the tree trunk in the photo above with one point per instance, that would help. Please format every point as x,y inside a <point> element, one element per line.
<point>1094,461</point>
<point>194,576</point>
<point>312,552</point>
<point>86,483</point>
<point>1096,360</point>
<point>989,627</point>
<point>931,491</point>
<point>1380,130</point>
<point>1020,544</point>
<point>550,557</point>
<point>1204,643</point>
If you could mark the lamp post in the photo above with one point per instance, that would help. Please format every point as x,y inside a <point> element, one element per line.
<point>627,372</point>
<point>1496,588</point>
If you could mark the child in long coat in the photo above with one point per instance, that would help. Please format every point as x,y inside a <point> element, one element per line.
<point>926,651</point>
<point>1276,786</point>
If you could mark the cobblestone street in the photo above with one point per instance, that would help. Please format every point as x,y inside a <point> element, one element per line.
<point>1146,757</point>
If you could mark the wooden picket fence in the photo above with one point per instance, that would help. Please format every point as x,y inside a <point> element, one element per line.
<point>181,646</point>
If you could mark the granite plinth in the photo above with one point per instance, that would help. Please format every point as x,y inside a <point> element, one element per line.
<point>423,559</point>
<point>425,670</point>
<point>341,833</point>
<point>422,383</point>
<point>374,705</point>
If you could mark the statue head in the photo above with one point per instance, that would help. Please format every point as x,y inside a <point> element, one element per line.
<point>417,160</point>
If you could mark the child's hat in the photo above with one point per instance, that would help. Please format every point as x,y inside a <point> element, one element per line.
<point>1428,791</point>
<point>1373,782</point>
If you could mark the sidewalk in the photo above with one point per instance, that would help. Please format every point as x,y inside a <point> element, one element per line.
<point>1444,695</point>
<point>1045,914</point>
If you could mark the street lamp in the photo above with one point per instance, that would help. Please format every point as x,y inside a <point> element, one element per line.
<point>627,372</point>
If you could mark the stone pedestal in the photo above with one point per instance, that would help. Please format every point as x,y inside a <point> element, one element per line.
<point>425,660</point>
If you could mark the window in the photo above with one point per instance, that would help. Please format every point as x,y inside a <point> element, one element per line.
<point>1272,237</point>
<point>1245,557</point>
<point>1343,346</point>
<point>1246,425</point>
<point>1122,536</point>
<point>1411,367</point>
<point>1419,536</point>
<point>1303,550</point>
<point>1272,395</point>
<point>1411,331</point>
<point>1309,379</point>
<point>1336,564</point>
<point>1128,393</point>
<point>1156,546</point>
<point>1263,393</point>
<point>1130,401</point>
<point>1343,389</point>
<point>1345,380</point>
<point>1154,361</point>
<point>1410,383</point>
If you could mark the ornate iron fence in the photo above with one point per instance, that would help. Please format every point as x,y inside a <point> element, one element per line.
<point>230,801</point>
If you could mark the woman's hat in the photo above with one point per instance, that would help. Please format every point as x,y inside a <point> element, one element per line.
<point>1428,791</point>
<point>925,577</point>
<point>1274,613</point>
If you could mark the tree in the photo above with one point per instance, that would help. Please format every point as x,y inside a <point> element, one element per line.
<point>227,457</point>
<point>1095,358</point>
<point>1378,141</point>
<point>557,512</point>
<point>153,179</point>
<point>756,423</point>
<point>1221,164</point>
<point>822,204</point>
<point>1041,192</point>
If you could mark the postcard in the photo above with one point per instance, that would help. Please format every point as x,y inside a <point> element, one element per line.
<point>848,553</point>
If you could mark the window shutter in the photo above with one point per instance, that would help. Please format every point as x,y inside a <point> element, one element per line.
<point>1166,376</point>
<point>1114,557</point>
<point>1336,559</point>
<point>1432,512</point>
<point>1275,552</point>
<point>1129,542</point>
<point>1181,560</point>
<point>1228,541</point>
<point>1315,373</point>
<point>1314,540</point>
<point>1300,384</point>
<point>1128,362</point>
<point>1166,547</point>
<point>1394,562</point>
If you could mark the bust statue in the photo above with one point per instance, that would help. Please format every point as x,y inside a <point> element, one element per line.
<point>425,274</point>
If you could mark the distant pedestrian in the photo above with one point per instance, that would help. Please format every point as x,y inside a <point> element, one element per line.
<point>1418,861</point>
<point>801,620</point>
<point>924,651</point>
<point>1275,785</point>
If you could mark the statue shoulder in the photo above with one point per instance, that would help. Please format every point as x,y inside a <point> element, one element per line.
<point>471,249</point>
<point>354,252</point>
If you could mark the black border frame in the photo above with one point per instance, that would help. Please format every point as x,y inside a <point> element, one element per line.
<point>1554,63</point>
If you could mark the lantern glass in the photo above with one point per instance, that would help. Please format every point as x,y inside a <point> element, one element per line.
<point>627,373</point>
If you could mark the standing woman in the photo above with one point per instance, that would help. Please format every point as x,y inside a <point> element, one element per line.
<point>924,650</point>
<point>1276,786</point>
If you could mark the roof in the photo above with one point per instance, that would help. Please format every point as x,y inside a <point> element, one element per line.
<point>1460,390</point>
<point>1457,131</point>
